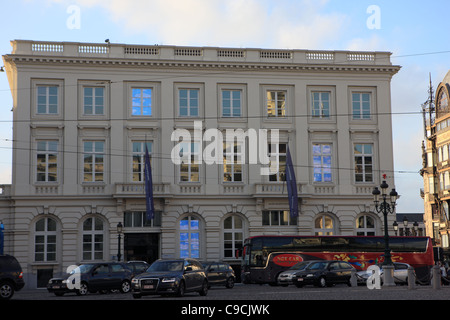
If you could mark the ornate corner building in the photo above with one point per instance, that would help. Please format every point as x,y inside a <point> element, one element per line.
<point>84,112</point>
<point>436,165</point>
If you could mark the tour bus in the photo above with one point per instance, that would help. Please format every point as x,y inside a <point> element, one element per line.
<point>265,257</point>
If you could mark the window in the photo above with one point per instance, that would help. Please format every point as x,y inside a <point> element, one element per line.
<point>138,219</point>
<point>276,103</point>
<point>233,236</point>
<point>278,218</point>
<point>93,100</point>
<point>363,162</point>
<point>324,226</point>
<point>45,240</point>
<point>189,168</point>
<point>93,161</point>
<point>139,159</point>
<point>322,162</point>
<point>189,237</point>
<point>365,226</point>
<point>232,162</point>
<point>188,102</point>
<point>47,99</point>
<point>231,103</point>
<point>320,105</point>
<point>141,101</point>
<point>47,161</point>
<point>93,239</point>
<point>277,152</point>
<point>361,105</point>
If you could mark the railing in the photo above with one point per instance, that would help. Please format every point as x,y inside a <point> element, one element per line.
<point>76,49</point>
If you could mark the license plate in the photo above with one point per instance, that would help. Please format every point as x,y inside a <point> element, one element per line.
<point>56,287</point>
<point>149,286</point>
<point>300,279</point>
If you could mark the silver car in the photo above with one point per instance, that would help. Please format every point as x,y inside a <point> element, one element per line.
<point>400,273</point>
<point>285,277</point>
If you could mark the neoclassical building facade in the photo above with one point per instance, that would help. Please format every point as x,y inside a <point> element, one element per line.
<point>83,114</point>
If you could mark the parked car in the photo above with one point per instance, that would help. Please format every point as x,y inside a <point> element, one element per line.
<point>219,274</point>
<point>285,277</point>
<point>171,277</point>
<point>137,267</point>
<point>324,273</point>
<point>11,276</point>
<point>93,277</point>
<point>400,273</point>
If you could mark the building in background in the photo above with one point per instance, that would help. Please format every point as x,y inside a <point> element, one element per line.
<point>83,114</point>
<point>436,165</point>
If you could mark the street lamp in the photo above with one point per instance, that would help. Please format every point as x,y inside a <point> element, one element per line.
<point>405,224</point>
<point>416,228</point>
<point>119,231</point>
<point>395,226</point>
<point>386,207</point>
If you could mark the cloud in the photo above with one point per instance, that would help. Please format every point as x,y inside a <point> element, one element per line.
<point>282,24</point>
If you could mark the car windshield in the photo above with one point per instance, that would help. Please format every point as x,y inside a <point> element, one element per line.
<point>84,268</point>
<point>166,266</point>
<point>317,266</point>
<point>299,266</point>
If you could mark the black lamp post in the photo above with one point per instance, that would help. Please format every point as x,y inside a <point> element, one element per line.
<point>386,207</point>
<point>119,231</point>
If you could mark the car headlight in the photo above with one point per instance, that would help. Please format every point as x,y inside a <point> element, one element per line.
<point>135,281</point>
<point>169,279</point>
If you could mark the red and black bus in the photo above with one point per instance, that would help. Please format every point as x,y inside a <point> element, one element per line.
<point>264,257</point>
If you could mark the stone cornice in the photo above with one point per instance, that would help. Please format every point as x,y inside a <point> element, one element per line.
<point>203,65</point>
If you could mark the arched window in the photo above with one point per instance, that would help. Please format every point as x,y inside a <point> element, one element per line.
<point>189,237</point>
<point>324,226</point>
<point>233,236</point>
<point>93,236</point>
<point>365,226</point>
<point>45,240</point>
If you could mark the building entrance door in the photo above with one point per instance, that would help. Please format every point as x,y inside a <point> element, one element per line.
<point>141,246</point>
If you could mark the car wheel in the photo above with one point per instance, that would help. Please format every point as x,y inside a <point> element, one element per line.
<point>204,290</point>
<point>6,291</point>
<point>181,289</point>
<point>322,282</point>
<point>230,283</point>
<point>126,287</point>
<point>83,289</point>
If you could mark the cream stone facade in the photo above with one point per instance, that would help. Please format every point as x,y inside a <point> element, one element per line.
<point>84,112</point>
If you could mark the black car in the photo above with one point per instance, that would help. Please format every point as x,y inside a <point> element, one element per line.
<point>220,274</point>
<point>324,273</point>
<point>11,277</point>
<point>171,277</point>
<point>137,267</point>
<point>93,277</point>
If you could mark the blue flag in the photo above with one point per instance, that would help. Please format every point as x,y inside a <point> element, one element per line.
<point>291,185</point>
<point>148,186</point>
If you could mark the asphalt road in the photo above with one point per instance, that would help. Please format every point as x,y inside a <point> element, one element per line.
<point>246,302</point>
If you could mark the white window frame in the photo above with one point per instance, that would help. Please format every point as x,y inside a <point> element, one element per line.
<point>322,230</point>
<point>47,83</point>
<point>93,154</point>
<point>47,243</point>
<point>47,153</point>
<point>93,252</point>
<point>140,155</point>
<point>190,245</point>
<point>233,238</point>
<point>363,155</point>
<point>236,157</point>
<point>323,167</point>
<point>280,175</point>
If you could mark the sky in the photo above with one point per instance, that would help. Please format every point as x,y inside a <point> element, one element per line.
<point>416,32</point>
